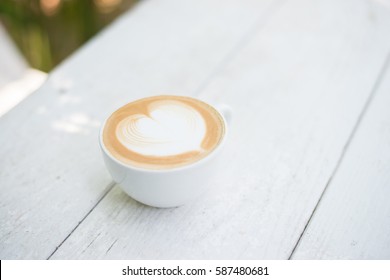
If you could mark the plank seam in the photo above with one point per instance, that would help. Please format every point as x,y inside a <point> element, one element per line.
<point>367,104</point>
<point>108,189</point>
<point>246,38</point>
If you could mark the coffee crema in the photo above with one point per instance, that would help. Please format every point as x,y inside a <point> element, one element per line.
<point>163,132</point>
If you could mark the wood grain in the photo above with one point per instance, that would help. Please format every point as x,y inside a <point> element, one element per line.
<point>51,170</point>
<point>353,218</point>
<point>297,90</point>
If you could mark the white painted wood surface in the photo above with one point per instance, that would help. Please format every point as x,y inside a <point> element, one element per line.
<point>352,220</point>
<point>298,75</point>
<point>51,171</point>
<point>297,89</point>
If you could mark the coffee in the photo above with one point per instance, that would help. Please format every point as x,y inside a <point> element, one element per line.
<point>163,132</point>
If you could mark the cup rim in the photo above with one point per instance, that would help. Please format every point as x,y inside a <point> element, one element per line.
<point>168,170</point>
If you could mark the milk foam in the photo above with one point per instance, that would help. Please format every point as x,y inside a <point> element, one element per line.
<point>171,128</point>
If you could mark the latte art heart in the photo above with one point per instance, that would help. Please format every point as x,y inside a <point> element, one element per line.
<point>162,132</point>
<point>169,129</point>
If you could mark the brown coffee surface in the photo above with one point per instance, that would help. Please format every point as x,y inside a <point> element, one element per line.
<point>214,132</point>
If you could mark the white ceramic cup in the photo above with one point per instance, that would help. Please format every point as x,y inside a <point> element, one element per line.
<point>166,187</point>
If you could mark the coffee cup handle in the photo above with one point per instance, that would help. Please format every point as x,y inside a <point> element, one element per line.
<point>226,112</point>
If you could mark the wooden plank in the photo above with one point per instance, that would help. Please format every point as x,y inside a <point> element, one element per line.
<point>297,90</point>
<point>352,220</point>
<point>51,169</point>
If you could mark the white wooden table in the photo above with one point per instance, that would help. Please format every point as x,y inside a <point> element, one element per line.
<point>307,165</point>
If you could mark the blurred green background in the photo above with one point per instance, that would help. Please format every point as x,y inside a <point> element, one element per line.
<point>47,31</point>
